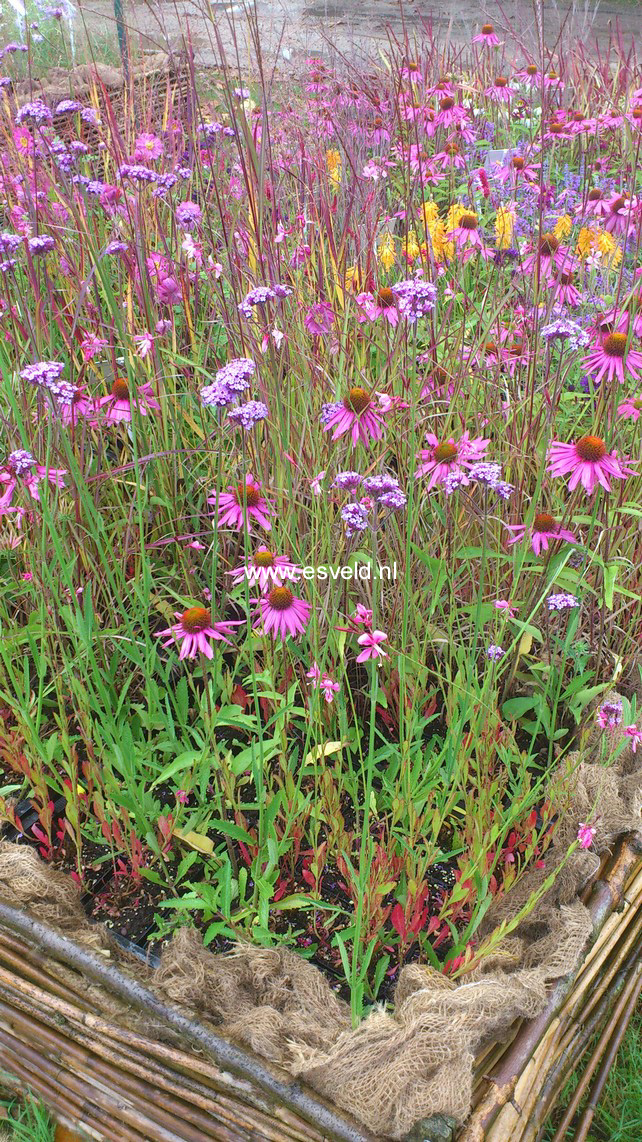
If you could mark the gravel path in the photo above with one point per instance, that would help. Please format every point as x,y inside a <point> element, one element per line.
<point>295,28</point>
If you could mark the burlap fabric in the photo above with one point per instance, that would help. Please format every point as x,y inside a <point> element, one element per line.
<point>403,1065</point>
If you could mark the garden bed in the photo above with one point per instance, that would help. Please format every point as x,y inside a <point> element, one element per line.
<point>322,829</point>
<point>117,1046</point>
<point>111,1059</point>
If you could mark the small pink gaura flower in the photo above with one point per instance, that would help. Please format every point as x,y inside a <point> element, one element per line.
<point>362,616</point>
<point>315,483</point>
<point>145,343</point>
<point>323,681</point>
<point>371,642</point>
<point>585,835</point>
<point>328,688</point>
<point>507,606</point>
<point>635,735</point>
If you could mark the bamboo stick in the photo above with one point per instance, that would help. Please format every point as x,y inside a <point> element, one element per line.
<point>226,1054</point>
<point>622,1005</point>
<point>38,1004</point>
<point>225,1109</point>
<point>564,1060</point>
<point>630,936</point>
<point>584,1124</point>
<point>566,1064</point>
<point>81,1060</point>
<point>605,895</point>
<point>85,1115</point>
<point>91,1092</point>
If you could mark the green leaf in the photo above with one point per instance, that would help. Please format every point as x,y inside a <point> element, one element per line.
<point>183,761</point>
<point>229,829</point>
<point>610,575</point>
<point>514,707</point>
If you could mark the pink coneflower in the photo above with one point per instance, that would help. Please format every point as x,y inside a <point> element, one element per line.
<point>630,409</point>
<point>266,569</point>
<point>318,77</point>
<point>451,156</point>
<point>412,110</point>
<point>548,255</point>
<point>543,528</point>
<point>355,414</point>
<point>411,71</point>
<point>281,613</point>
<point>621,215</point>
<point>381,304</point>
<point>553,80</point>
<point>117,405</point>
<point>487,36</point>
<point>148,147</point>
<point>379,133</point>
<point>633,313</point>
<point>588,463</point>
<point>596,204</point>
<point>466,233</point>
<point>517,167</point>
<point>447,458</point>
<point>563,283</point>
<point>500,90</point>
<point>557,129</point>
<point>530,75</point>
<point>371,642</point>
<point>450,114</point>
<point>21,468</point>
<point>81,405</point>
<point>441,88</point>
<point>613,358</point>
<point>243,505</point>
<point>194,631</point>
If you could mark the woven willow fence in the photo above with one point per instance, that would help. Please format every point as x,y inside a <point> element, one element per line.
<point>175,1080</point>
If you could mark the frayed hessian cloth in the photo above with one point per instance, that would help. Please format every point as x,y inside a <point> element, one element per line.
<point>79,82</point>
<point>401,1066</point>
